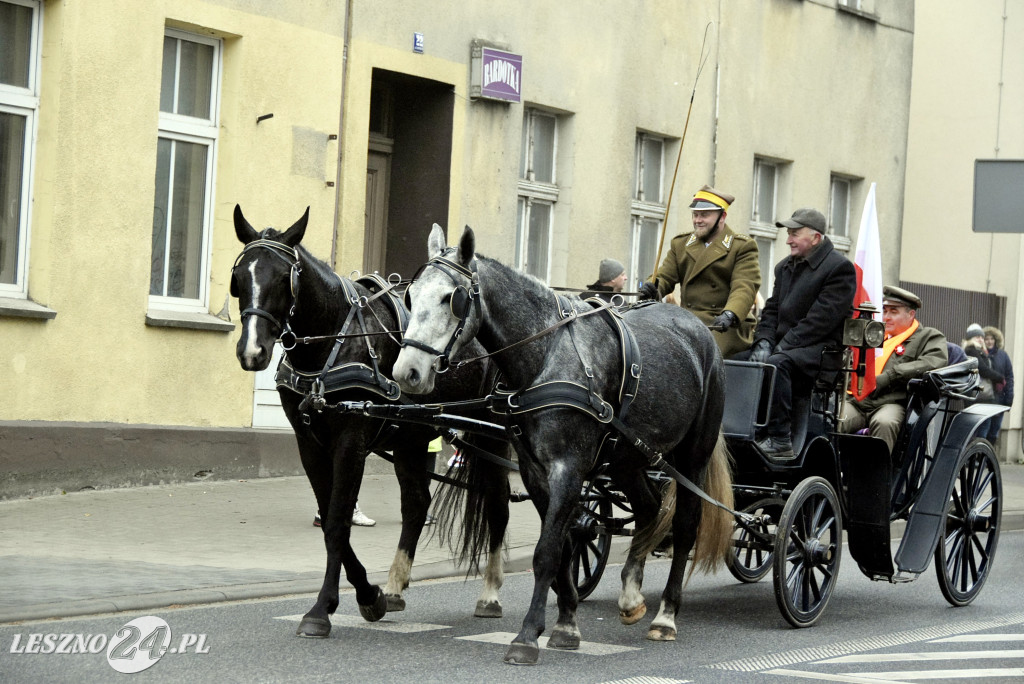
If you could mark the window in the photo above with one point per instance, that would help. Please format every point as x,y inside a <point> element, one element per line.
<point>186,150</point>
<point>839,207</point>
<point>538,193</point>
<point>19,102</point>
<point>762,218</point>
<point>647,211</point>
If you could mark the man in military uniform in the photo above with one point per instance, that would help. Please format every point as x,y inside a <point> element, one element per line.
<point>717,272</point>
<point>909,351</point>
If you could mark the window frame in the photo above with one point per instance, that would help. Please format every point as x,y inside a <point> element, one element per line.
<point>202,131</point>
<point>24,102</point>
<point>531,192</point>
<point>642,208</point>
<point>841,241</point>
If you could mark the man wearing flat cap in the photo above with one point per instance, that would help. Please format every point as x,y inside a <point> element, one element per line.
<point>717,272</point>
<point>611,277</point>
<point>811,300</point>
<point>909,351</point>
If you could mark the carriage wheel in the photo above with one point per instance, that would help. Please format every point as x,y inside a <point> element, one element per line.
<point>808,548</point>
<point>965,552</point>
<point>591,546</point>
<point>750,559</point>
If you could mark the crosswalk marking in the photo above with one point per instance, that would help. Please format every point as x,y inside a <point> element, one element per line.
<point>379,626</point>
<point>899,676</point>
<point>649,680</point>
<point>805,655</point>
<point>979,637</point>
<point>586,647</point>
<point>922,655</point>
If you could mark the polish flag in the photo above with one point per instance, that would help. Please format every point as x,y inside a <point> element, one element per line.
<point>868,263</point>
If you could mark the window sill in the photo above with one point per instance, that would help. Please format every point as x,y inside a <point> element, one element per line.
<point>763,230</point>
<point>162,318</point>
<point>867,16</point>
<point>840,242</point>
<point>25,308</point>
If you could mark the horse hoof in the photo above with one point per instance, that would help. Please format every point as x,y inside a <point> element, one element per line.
<point>632,617</point>
<point>661,633</point>
<point>522,654</point>
<point>395,603</point>
<point>488,609</point>
<point>314,628</point>
<point>376,610</point>
<point>564,640</point>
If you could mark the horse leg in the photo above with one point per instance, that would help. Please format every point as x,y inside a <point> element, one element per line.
<point>684,532</point>
<point>555,502</point>
<point>638,490</point>
<point>414,484</point>
<point>495,493</point>
<point>336,485</point>
<point>566,634</point>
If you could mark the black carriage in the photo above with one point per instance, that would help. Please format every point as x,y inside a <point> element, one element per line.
<point>941,483</point>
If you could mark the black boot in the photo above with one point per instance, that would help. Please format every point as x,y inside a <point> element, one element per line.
<point>778,447</point>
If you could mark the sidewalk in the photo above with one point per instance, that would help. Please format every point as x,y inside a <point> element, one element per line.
<point>151,547</point>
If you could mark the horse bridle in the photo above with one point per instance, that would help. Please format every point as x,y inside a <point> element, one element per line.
<point>291,256</point>
<point>464,299</point>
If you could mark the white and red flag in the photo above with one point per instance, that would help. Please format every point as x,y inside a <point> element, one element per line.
<point>868,263</point>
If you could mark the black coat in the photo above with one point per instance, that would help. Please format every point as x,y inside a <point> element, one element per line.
<point>810,302</point>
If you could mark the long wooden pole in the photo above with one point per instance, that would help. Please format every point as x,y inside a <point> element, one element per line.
<point>682,141</point>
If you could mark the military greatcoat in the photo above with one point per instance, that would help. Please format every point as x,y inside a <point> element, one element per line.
<point>723,275</point>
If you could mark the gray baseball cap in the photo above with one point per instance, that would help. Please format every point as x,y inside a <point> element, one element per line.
<point>811,218</point>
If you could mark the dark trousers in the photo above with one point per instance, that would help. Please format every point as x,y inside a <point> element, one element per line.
<point>990,428</point>
<point>789,378</point>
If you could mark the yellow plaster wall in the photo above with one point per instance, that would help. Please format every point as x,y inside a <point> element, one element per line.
<point>93,204</point>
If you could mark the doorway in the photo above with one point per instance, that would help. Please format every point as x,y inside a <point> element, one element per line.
<point>408,174</point>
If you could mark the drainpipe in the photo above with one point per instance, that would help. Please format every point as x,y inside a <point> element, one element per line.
<point>341,131</point>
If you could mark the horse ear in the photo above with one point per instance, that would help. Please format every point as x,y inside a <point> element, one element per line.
<point>293,236</point>
<point>467,246</point>
<point>437,241</point>
<point>243,230</point>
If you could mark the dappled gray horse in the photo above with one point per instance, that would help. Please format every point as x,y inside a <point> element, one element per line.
<point>677,411</point>
<point>284,291</point>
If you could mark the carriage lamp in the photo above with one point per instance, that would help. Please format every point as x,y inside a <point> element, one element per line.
<point>862,330</point>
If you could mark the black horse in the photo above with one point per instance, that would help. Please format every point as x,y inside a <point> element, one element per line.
<point>676,410</point>
<point>284,292</point>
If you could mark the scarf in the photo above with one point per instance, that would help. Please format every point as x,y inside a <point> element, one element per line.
<point>890,345</point>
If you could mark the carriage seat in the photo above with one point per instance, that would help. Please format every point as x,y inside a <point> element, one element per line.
<point>830,378</point>
<point>748,398</point>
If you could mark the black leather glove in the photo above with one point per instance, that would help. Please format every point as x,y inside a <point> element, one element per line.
<point>724,321</point>
<point>760,352</point>
<point>649,291</point>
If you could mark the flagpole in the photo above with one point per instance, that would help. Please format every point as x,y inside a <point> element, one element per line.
<point>679,156</point>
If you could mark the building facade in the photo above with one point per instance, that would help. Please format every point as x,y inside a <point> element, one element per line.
<point>949,131</point>
<point>130,131</point>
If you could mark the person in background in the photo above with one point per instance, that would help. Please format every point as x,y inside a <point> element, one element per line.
<point>909,351</point>
<point>611,277</point>
<point>1004,392</point>
<point>358,518</point>
<point>717,272</point>
<point>974,345</point>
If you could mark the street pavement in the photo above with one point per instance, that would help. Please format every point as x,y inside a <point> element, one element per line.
<point>146,548</point>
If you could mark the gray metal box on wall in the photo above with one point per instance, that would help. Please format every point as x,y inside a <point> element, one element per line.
<point>998,196</point>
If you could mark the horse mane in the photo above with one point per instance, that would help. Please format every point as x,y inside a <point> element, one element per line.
<point>530,284</point>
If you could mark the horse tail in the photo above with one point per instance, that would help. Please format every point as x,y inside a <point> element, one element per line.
<point>714,534</point>
<point>472,515</point>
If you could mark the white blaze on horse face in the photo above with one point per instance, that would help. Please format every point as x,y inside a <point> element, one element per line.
<point>252,349</point>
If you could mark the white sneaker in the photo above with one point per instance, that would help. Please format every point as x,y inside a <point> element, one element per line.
<point>361,519</point>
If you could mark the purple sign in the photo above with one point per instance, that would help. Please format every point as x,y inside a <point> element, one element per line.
<point>500,75</point>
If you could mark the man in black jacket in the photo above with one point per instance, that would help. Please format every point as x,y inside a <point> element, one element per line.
<point>812,297</point>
